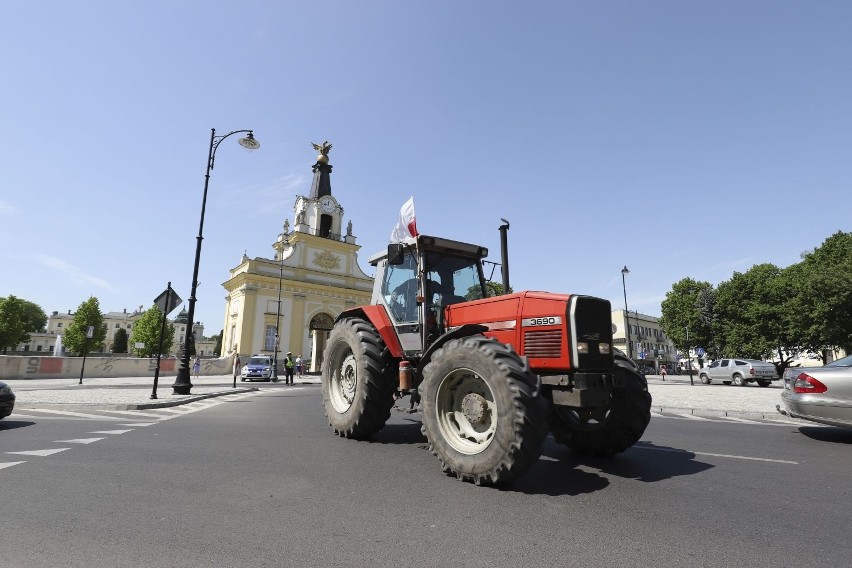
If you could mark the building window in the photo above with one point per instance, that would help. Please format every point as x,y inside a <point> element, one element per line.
<point>59,324</point>
<point>118,325</point>
<point>269,339</point>
<point>38,347</point>
<point>50,348</point>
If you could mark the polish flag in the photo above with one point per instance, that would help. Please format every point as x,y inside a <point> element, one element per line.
<point>406,227</point>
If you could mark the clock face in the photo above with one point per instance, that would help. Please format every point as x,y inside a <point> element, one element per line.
<point>327,204</point>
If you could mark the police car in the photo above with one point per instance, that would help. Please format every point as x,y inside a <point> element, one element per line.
<point>258,367</point>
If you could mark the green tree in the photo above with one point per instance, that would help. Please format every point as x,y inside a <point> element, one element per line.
<point>822,284</point>
<point>686,307</point>
<point>752,310</point>
<point>146,330</point>
<point>88,314</point>
<point>492,288</point>
<point>217,348</point>
<point>34,317</point>
<point>12,325</point>
<point>119,341</point>
<point>18,319</point>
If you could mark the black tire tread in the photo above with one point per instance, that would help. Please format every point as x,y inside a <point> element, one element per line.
<point>529,409</point>
<point>629,416</point>
<point>369,414</point>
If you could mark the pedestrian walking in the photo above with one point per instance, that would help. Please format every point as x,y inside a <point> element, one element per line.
<point>289,364</point>
<point>299,363</point>
<point>196,367</point>
<point>663,371</point>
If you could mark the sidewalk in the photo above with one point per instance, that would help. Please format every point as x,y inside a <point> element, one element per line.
<point>677,396</point>
<point>673,396</point>
<point>125,393</point>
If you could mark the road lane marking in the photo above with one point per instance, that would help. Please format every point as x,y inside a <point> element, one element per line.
<point>141,424</point>
<point>731,456</point>
<point>77,441</point>
<point>116,432</point>
<point>135,413</point>
<point>73,414</point>
<point>743,420</point>
<point>40,453</point>
<point>9,464</point>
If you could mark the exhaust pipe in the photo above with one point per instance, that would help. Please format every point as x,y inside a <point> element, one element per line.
<point>504,254</point>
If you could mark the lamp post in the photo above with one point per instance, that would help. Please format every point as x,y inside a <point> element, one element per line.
<point>624,273</point>
<point>278,319</point>
<point>182,384</point>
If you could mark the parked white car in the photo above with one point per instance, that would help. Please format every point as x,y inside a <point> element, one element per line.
<point>739,372</point>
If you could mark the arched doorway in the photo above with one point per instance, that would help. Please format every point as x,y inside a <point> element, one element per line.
<point>320,326</point>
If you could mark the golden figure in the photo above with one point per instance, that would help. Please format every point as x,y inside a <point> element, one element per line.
<point>323,150</point>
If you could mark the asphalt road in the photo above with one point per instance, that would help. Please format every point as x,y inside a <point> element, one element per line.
<point>258,479</point>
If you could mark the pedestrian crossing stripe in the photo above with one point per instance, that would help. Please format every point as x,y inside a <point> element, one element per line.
<point>116,432</point>
<point>77,441</point>
<point>9,464</point>
<point>40,453</point>
<point>73,414</point>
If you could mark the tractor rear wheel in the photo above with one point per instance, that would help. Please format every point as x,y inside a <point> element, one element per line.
<point>358,379</point>
<point>482,413</point>
<point>606,431</point>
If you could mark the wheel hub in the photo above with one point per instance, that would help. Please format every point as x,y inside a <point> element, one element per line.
<point>474,406</point>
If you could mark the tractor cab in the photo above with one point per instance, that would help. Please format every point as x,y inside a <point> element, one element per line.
<point>416,281</point>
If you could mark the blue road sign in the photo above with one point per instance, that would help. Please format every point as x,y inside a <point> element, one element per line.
<point>699,351</point>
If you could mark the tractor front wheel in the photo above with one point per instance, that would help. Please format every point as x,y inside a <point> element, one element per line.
<point>606,431</point>
<point>482,413</point>
<point>358,379</point>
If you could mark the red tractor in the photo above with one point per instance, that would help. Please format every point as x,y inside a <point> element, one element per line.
<point>493,374</point>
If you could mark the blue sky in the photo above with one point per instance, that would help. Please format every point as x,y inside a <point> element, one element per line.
<point>677,138</point>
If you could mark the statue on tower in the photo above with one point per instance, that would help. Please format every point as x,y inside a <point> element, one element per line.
<point>323,150</point>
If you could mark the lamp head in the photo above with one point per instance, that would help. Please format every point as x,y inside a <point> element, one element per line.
<point>624,271</point>
<point>249,142</point>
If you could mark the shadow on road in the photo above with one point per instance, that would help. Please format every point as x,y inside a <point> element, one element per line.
<point>827,434</point>
<point>558,470</point>
<point>12,424</point>
<point>406,433</point>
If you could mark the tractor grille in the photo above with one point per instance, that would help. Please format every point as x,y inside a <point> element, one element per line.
<point>543,343</point>
<point>593,325</point>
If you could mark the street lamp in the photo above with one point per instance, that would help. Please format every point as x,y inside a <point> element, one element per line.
<point>278,319</point>
<point>182,383</point>
<point>625,272</point>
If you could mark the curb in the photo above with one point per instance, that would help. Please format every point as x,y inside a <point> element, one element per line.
<point>709,413</point>
<point>133,406</point>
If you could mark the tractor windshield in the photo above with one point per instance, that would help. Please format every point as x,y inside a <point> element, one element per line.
<point>454,278</point>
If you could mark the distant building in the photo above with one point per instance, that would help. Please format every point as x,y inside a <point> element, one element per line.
<point>46,343</point>
<point>649,346</point>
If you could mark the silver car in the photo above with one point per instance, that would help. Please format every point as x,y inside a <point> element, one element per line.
<point>819,394</point>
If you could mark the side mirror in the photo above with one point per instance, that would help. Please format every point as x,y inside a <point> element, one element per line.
<point>396,254</point>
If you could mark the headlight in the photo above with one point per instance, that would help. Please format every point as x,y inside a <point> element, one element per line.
<point>6,390</point>
<point>604,348</point>
<point>582,347</point>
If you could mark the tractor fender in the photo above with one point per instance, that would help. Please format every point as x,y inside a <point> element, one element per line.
<point>465,330</point>
<point>378,318</point>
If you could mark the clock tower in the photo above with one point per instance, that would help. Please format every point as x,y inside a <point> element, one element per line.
<point>289,302</point>
<point>319,213</point>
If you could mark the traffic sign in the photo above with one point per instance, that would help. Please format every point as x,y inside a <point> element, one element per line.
<point>699,351</point>
<point>167,301</point>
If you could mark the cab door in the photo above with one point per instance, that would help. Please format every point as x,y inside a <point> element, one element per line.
<point>399,291</point>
